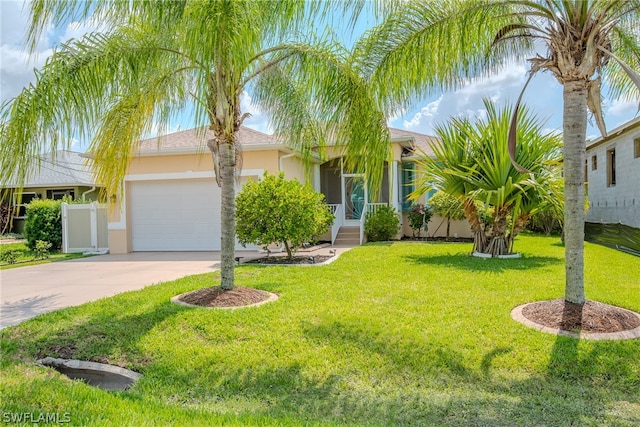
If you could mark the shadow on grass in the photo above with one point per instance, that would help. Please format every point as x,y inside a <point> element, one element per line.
<point>468,262</point>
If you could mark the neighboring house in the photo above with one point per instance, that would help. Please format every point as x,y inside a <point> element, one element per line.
<point>613,175</point>
<point>56,175</point>
<point>171,201</point>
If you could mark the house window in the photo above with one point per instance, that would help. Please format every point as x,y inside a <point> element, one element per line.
<point>594,162</point>
<point>408,184</point>
<point>22,202</point>
<point>611,167</point>
<point>636,148</point>
<point>59,194</point>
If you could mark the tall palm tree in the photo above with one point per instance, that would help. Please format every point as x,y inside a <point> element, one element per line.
<point>160,58</point>
<point>428,45</point>
<point>472,163</point>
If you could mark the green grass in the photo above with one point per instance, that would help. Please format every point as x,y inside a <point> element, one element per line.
<point>27,257</point>
<point>388,334</point>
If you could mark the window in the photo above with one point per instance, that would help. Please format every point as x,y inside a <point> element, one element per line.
<point>594,162</point>
<point>636,148</point>
<point>408,184</point>
<point>611,167</point>
<point>22,202</point>
<point>59,194</point>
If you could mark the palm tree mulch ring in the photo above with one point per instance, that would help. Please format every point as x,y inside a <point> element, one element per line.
<point>592,319</point>
<point>216,297</point>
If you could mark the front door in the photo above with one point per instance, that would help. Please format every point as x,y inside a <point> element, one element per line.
<point>354,195</point>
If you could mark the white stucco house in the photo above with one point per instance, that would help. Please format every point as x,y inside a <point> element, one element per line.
<point>612,173</point>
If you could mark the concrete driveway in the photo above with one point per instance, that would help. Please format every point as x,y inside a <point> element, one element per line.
<point>26,292</point>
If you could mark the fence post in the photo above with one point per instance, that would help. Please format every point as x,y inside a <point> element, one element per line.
<point>65,228</point>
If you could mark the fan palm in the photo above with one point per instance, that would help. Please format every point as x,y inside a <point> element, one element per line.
<point>160,59</point>
<point>472,163</point>
<point>438,44</point>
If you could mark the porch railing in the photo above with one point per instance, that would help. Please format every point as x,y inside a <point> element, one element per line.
<point>368,207</point>
<point>336,210</point>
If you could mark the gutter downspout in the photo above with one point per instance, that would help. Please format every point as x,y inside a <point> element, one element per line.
<point>281,158</point>
<point>92,189</point>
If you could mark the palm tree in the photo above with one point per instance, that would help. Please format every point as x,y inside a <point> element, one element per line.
<point>472,163</point>
<point>161,58</point>
<point>438,44</point>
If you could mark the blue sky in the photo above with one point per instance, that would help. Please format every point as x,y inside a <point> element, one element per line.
<point>543,96</point>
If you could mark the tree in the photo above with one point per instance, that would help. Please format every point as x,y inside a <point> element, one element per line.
<point>425,45</point>
<point>472,163</point>
<point>280,211</point>
<point>160,58</point>
<point>446,206</point>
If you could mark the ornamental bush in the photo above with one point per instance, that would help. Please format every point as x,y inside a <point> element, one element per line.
<point>43,221</point>
<point>382,224</point>
<point>280,211</point>
<point>419,216</point>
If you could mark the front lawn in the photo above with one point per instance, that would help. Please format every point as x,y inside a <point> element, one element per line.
<point>25,256</point>
<point>389,334</point>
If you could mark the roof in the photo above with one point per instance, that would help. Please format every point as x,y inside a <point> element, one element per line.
<point>59,169</point>
<point>194,140</point>
<point>625,127</point>
<point>422,143</point>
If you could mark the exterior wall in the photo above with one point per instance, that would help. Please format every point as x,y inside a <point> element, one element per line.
<point>174,167</point>
<point>437,227</point>
<point>619,203</point>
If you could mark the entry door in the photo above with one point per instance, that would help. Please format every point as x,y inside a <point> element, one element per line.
<point>354,196</point>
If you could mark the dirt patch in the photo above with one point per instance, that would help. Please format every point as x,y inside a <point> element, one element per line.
<point>592,316</point>
<point>283,260</point>
<point>217,297</point>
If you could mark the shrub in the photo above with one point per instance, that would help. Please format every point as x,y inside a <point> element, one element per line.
<point>382,224</point>
<point>42,249</point>
<point>43,222</point>
<point>276,210</point>
<point>10,256</point>
<point>419,216</point>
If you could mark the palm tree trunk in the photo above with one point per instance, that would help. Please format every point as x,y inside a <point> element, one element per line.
<point>228,219</point>
<point>574,131</point>
<point>471,213</point>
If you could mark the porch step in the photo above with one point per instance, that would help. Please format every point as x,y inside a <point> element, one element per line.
<point>348,236</point>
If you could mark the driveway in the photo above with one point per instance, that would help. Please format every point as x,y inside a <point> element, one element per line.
<point>26,292</point>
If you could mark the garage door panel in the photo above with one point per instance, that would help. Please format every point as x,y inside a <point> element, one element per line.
<point>175,215</point>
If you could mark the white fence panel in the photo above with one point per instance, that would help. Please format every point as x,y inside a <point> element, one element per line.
<point>84,228</point>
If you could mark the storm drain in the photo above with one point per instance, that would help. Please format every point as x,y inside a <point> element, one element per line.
<point>103,376</point>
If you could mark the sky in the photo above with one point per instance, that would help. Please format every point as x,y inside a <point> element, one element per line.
<point>543,96</point>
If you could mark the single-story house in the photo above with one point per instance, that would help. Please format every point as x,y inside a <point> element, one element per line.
<point>612,173</point>
<point>170,200</point>
<point>54,176</point>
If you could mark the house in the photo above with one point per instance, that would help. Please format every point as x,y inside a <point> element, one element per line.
<point>56,175</point>
<point>613,176</point>
<point>171,201</point>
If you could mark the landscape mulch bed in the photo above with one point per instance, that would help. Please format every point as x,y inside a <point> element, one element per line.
<point>217,297</point>
<point>591,317</point>
<point>277,260</point>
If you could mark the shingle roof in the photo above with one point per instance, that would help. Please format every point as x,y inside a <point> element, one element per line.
<point>423,143</point>
<point>60,169</point>
<point>194,139</point>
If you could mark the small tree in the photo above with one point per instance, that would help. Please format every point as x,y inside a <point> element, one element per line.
<point>43,221</point>
<point>382,224</point>
<point>448,207</point>
<point>276,210</point>
<point>419,216</point>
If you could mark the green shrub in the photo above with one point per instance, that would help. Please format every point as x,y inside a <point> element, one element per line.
<point>10,256</point>
<point>43,222</point>
<point>382,224</point>
<point>276,210</point>
<point>419,216</point>
<point>42,249</point>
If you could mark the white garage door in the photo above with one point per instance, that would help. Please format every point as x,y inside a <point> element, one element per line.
<point>175,215</point>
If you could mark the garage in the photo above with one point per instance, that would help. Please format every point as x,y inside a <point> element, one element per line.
<point>174,215</point>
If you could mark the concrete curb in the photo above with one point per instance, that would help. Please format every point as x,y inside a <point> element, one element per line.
<point>516,314</point>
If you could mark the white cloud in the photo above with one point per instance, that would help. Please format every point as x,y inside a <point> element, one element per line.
<point>258,120</point>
